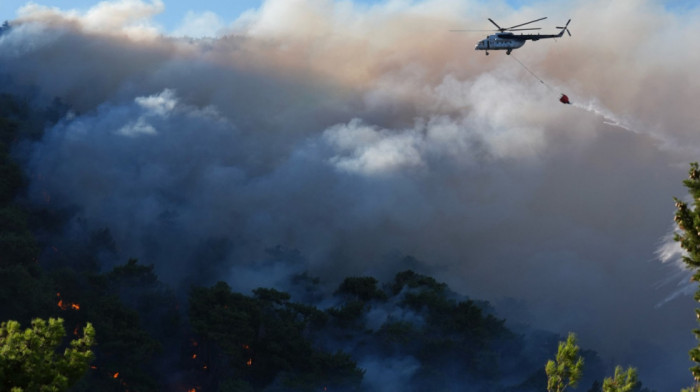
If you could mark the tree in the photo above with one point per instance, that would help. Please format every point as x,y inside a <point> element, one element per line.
<point>567,368</point>
<point>361,288</point>
<point>623,381</point>
<point>263,342</point>
<point>688,235</point>
<point>29,360</point>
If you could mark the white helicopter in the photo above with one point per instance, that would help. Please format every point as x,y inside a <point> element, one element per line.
<point>506,40</point>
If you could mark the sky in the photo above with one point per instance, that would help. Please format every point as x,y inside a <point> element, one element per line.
<point>175,11</point>
<point>173,16</point>
<point>358,135</point>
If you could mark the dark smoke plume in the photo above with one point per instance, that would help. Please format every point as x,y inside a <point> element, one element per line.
<point>356,133</point>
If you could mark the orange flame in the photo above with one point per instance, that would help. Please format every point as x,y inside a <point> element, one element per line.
<point>246,347</point>
<point>66,305</point>
<point>115,375</point>
<point>194,356</point>
<point>250,362</point>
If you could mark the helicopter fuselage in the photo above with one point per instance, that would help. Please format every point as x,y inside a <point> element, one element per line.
<point>508,41</point>
<point>500,41</point>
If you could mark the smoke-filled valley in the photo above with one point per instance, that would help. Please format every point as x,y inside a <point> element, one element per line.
<point>331,139</point>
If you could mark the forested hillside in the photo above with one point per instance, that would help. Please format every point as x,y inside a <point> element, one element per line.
<point>410,333</point>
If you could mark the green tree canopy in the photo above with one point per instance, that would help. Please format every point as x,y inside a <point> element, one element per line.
<point>688,235</point>
<point>567,368</point>
<point>29,359</point>
<point>623,381</point>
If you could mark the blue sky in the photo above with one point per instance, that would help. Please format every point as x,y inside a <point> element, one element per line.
<point>175,10</point>
<point>170,19</point>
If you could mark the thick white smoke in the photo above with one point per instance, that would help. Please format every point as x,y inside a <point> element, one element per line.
<point>354,133</point>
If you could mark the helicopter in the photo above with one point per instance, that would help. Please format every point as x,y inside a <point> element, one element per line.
<point>506,40</point>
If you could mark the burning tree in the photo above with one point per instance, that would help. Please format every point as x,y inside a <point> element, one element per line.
<point>262,341</point>
<point>29,361</point>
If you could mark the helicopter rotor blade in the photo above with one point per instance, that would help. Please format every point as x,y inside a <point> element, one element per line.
<point>523,24</point>
<point>531,28</point>
<point>495,24</point>
<point>565,29</point>
<point>565,26</point>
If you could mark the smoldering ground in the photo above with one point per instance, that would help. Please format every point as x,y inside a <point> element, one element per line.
<point>353,133</point>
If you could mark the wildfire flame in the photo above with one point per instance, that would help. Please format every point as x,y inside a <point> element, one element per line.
<point>66,305</point>
<point>116,375</point>
<point>194,356</point>
<point>249,362</point>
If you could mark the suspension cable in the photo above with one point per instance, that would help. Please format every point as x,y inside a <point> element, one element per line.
<point>532,73</point>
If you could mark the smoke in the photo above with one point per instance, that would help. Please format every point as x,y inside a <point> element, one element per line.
<point>355,132</point>
<point>608,117</point>
<point>382,373</point>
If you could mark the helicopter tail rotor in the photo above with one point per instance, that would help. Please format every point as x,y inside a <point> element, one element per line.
<point>565,28</point>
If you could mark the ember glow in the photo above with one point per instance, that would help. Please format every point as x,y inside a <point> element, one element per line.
<point>64,305</point>
<point>116,375</point>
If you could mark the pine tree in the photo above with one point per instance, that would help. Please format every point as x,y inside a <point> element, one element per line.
<point>29,360</point>
<point>623,381</point>
<point>688,235</point>
<point>567,368</point>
